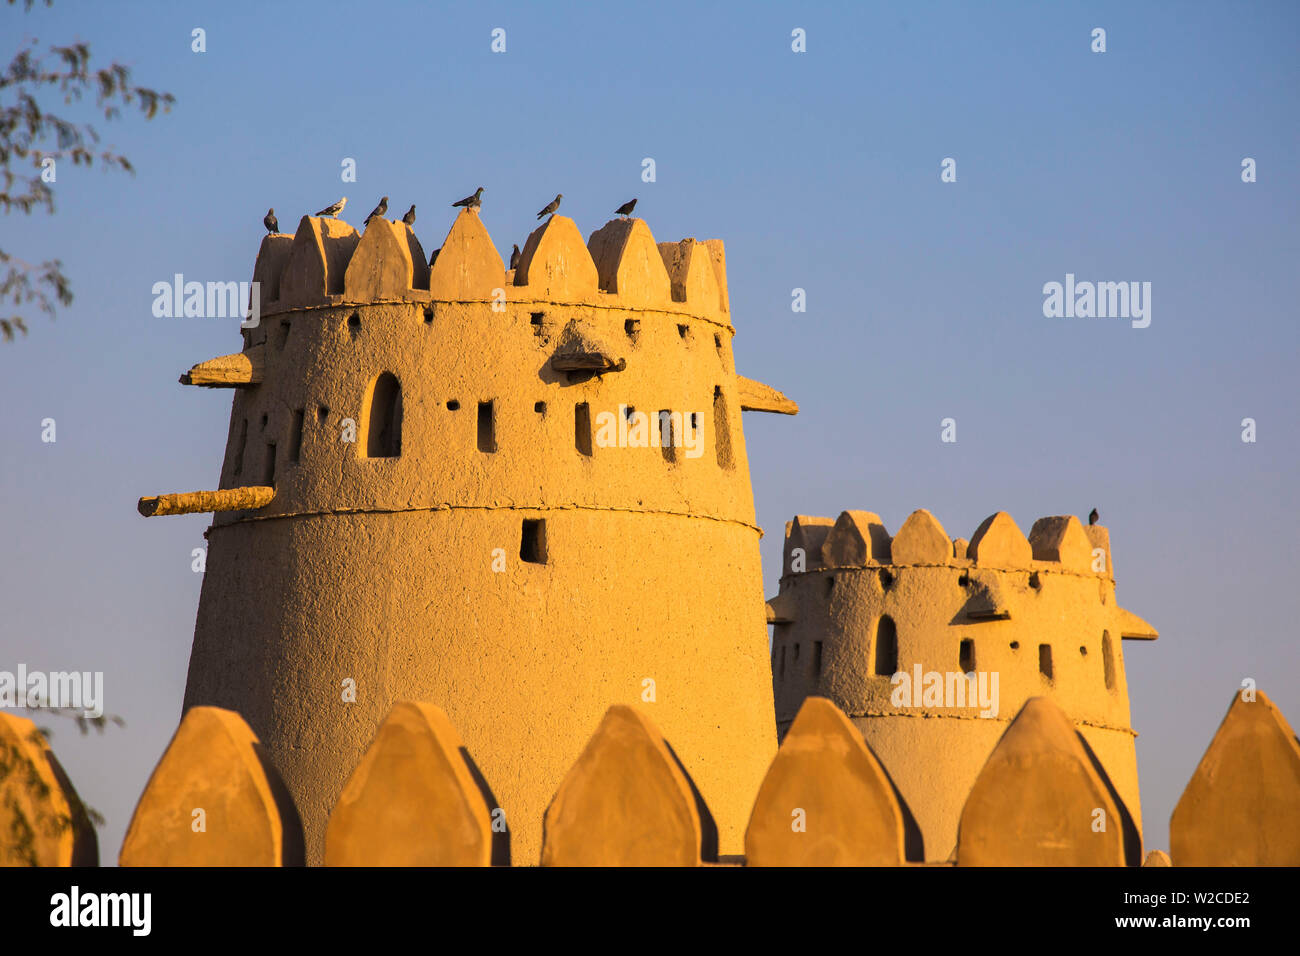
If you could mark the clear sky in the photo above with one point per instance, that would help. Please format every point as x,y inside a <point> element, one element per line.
<point>821,171</point>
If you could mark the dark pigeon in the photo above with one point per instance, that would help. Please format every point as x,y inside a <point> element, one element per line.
<point>409,218</point>
<point>378,210</point>
<point>272,224</point>
<point>1093,518</point>
<point>472,202</point>
<point>625,209</point>
<point>514,257</point>
<point>552,206</point>
<point>434,258</point>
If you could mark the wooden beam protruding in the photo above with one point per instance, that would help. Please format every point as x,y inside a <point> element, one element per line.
<point>757,397</point>
<point>228,371</point>
<point>199,502</point>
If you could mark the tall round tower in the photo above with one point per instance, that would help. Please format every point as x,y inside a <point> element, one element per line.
<point>520,495</point>
<point>931,646</point>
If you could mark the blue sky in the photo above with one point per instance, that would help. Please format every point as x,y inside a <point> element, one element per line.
<point>820,171</point>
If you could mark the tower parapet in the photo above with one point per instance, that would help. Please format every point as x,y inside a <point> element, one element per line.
<point>887,627</point>
<point>419,500</point>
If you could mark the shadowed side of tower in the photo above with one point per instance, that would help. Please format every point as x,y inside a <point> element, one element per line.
<point>522,497</point>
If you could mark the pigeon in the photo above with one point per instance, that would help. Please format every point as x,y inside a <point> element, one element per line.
<point>272,224</point>
<point>554,205</point>
<point>514,257</point>
<point>409,218</point>
<point>378,210</point>
<point>625,209</point>
<point>335,209</point>
<point>1094,517</point>
<point>472,202</point>
<point>434,258</point>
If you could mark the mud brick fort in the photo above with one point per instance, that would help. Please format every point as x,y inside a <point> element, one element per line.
<point>451,615</point>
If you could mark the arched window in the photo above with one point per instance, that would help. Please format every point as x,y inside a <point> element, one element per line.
<point>381,421</point>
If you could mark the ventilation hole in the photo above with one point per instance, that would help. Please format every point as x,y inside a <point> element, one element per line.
<point>382,418</point>
<point>268,466</point>
<point>284,333</point>
<point>794,657</point>
<point>632,327</point>
<point>428,314</point>
<point>322,413</point>
<point>354,323</point>
<point>539,408</point>
<point>1015,645</point>
<point>487,429</point>
<point>830,584</point>
<point>295,435</point>
<point>964,579</point>
<point>1045,660</point>
<point>538,328</point>
<point>886,646</point>
<point>717,343</point>
<point>532,544</point>
<point>682,330</point>
<point>781,673</point>
<point>582,428</point>
<point>264,421</point>
<point>453,405</point>
<point>966,657</point>
<point>1034,581</point>
<point>817,658</point>
<point>629,411</point>
<point>886,579</point>
<point>1083,651</point>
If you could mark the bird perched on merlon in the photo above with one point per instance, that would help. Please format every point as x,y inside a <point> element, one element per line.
<point>379,210</point>
<point>1093,518</point>
<point>272,224</point>
<point>552,206</point>
<point>514,256</point>
<point>472,202</point>
<point>409,218</point>
<point>334,209</point>
<point>625,209</point>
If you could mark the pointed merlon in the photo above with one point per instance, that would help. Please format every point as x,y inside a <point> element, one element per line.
<point>1061,538</point>
<point>384,263</point>
<point>999,543</point>
<point>555,263</point>
<point>1038,799</point>
<point>467,266</point>
<point>228,371</point>
<point>317,261</point>
<point>858,538</point>
<point>921,540</point>
<point>694,279</point>
<point>43,820</point>
<point>625,801</point>
<point>272,257</point>
<point>825,800</point>
<point>718,253</point>
<point>757,397</point>
<point>200,502</point>
<point>807,534</point>
<point>628,264</point>
<point>1242,805</point>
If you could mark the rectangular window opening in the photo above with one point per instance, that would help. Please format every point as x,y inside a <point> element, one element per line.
<point>582,428</point>
<point>967,656</point>
<point>487,430</point>
<point>295,435</point>
<point>268,472</point>
<point>1045,660</point>
<point>532,545</point>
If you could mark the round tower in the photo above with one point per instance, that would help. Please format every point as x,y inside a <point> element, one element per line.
<point>931,646</point>
<point>522,496</point>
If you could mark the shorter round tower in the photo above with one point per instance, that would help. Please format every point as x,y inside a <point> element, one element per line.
<point>931,646</point>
